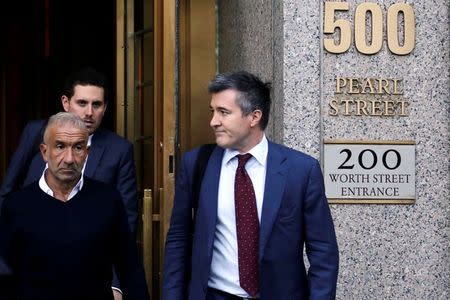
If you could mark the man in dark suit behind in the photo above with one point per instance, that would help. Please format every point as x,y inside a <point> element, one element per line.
<point>256,213</point>
<point>110,158</point>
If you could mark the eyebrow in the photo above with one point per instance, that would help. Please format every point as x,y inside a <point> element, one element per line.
<point>220,108</point>
<point>93,101</point>
<point>74,143</point>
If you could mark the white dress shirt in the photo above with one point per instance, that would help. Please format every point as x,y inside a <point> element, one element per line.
<point>224,274</point>
<point>88,145</point>
<point>44,186</point>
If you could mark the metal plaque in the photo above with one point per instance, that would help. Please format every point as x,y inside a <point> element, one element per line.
<point>369,171</point>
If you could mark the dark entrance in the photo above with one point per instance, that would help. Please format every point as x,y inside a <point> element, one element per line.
<point>42,42</point>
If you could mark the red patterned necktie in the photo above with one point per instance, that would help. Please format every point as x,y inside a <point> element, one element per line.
<point>247,228</point>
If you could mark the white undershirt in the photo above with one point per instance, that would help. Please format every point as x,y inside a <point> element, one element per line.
<point>224,266</point>
<point>44,186</point>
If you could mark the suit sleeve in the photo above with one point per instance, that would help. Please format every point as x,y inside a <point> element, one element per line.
<point>127,187</point>
<point>178,247</point>
<point>126,261</point>
<point>20,160</point>
<point>321,244</point>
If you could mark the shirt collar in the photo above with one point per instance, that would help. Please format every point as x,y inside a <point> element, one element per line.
<point>259,152</point>
<point>90,140</point>
<point>46,189</point>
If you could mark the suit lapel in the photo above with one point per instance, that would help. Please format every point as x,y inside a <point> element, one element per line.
<point>273,193</point>
<point>95,154</point>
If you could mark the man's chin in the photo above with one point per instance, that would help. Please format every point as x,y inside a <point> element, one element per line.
<point>90,127</point>
<point>70,182</point>
<point>223,143</point>
<point>69,176</point>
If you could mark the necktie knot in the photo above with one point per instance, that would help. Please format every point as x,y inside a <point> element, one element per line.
<point>243,159</point>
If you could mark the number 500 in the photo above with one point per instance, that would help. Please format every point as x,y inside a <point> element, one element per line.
<point>376,39</point>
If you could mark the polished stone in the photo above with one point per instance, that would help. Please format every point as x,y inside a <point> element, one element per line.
<point>386,251</point>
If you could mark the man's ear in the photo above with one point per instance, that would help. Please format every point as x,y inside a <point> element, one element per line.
<point>65,102</point>
<point>256,118</point>
<point>43,148</point>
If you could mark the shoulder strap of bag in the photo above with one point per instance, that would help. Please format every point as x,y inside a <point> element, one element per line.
<point>201,162</point>
<point>199,171</point>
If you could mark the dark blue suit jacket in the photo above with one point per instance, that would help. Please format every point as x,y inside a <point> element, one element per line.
<point>295,215</point>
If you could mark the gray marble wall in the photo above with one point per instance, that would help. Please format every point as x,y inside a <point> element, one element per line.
<point>387,251</point>
<point>250,43</point>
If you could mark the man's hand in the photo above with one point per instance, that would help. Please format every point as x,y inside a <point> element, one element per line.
<point>117,295</point>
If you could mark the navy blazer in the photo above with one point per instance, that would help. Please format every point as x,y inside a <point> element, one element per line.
<point>295,214</point>
<point>110,160</point>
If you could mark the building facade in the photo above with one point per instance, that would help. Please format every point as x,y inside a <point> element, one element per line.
<point>362,86</point>
<point>372,73</point>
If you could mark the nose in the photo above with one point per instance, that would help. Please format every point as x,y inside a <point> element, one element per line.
<point>214,120</point>
<point>69,156</point>
<point>89,110</point>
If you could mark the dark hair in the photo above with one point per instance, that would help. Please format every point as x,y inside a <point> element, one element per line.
<point>85,76</point>
<point>253,93</point>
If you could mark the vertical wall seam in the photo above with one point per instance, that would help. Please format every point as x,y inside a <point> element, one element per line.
<point>273,65</point>
<point>321,83</point>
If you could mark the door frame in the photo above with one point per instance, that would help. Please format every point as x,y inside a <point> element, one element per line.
<point>164,116</point>
<point>165,88</point>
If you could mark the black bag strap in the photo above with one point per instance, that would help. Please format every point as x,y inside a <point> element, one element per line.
<point>201,163</point>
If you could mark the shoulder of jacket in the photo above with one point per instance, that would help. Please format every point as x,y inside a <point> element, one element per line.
<point>291,153</point>
<point>105,135</point>
<point>35,124</point>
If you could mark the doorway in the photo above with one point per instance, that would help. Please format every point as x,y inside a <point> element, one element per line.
<point>43,41</point>
<point>158,56</point>
<point>162,102</point>
<point>145,116</point>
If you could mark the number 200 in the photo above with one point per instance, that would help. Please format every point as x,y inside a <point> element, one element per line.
<point>330,25</point>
